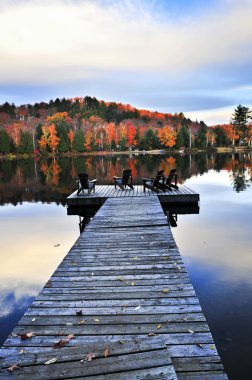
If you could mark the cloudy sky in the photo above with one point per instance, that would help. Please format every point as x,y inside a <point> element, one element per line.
<point>191,56</point>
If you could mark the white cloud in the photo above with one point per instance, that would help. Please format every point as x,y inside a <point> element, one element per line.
<point>55,41</point>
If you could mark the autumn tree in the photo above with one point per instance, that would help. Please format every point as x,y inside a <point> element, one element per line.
<point>49,138</point>
<point>167,136</point>
<point>70,136</point>
<point>14,132</point>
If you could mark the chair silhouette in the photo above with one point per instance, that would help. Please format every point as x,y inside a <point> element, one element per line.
<point>85,184</point>
<point>125,180</point>
<point>171,181</point>
<point>154,184</point>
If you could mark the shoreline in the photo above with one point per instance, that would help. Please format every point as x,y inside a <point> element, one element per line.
<point>12,156</point>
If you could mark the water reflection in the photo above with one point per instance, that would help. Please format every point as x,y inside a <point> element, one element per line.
<point>51,180</point>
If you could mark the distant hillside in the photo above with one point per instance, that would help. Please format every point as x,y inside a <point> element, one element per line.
<point>87,124</point>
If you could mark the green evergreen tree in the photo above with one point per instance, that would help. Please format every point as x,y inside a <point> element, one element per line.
<point>240,120</point>
<point>79,141</point>
<point>26,143</point>
<point>5,145</point>
<point>201,139</point>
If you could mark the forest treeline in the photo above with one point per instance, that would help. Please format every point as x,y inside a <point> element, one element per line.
<point>86,124</point>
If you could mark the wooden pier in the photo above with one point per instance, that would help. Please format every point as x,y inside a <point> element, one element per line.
<point>182,195</point>
<point>119,306</point>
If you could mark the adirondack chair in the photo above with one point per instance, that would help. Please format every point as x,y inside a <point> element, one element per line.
<point>171,181</point>
<point>154,184</point>
<point>85,184</point>
<point>125,180</point>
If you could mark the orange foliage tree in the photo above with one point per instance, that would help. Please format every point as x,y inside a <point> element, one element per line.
<point>71,138</point>
<point>14,132</point>
<point>231,132</point>
<point>167,136</point>
<point>49,138</point>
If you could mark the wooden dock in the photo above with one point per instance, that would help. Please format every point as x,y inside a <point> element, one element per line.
<point>119,306</point>
<point>182,195</point>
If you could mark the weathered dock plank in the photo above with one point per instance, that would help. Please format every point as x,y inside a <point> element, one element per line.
<point>122,294</point>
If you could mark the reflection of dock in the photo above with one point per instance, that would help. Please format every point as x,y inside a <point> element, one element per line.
<point>121,297</point>
<point>184,195</point>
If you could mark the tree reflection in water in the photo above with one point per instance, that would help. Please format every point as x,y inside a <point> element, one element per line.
<point>52,180</point>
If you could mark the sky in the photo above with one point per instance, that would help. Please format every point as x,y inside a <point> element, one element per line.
<point>190,56</point>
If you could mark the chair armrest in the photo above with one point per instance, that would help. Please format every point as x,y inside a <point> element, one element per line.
<point>115,177</point>
<point>93,180</point>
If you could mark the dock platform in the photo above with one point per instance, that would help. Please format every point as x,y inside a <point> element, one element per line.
<point>182,195</point>
<point>119,306</point>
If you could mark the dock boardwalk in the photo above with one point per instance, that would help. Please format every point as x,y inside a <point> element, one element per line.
<point>125,295</point>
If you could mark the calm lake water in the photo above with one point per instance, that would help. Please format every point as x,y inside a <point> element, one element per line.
<point>216,244</point>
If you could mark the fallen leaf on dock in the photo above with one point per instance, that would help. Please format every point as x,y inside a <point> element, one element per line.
<point>137,308</point>
<point>27,335</point>
<point>159,326</point>
<point>151,334</point>
<point>48,284</point>
<point>34,319</point>
<point>191,331</point>
<point>165,291</point>
<point>133,284</point>
<point>69,324</point>
<point>13,367</point>
<point>165,257</point>
<point>51,361</point>
<point>106,352</point>
<point>199,345</point>
<point>212,347</point>
<point>96,320</point>
<point>89,357</point>
<point>81,322</point>
<point>63,342</point>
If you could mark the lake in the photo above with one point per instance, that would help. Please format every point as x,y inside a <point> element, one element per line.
<point>216,244</point>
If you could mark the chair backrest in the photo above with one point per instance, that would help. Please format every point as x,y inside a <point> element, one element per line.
<point>126,176</point>
<point>172,176</point>
<point>83,177</point>
<point>159,176</point>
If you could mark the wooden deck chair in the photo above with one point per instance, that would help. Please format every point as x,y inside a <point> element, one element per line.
<point>171,181</point>
<point>125,180</point>
<point>154,184</point>
<point>85,184</point>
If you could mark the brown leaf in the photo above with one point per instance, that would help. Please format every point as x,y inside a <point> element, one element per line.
<point>27,335</point>
<point>151,334</point>
<point>165,291</point>
<point>106,352</point>
<point>96,320</point>
<point>90,356</point>
<point>13,367</point>
<point>63,342</point>
<point>79,312</point>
